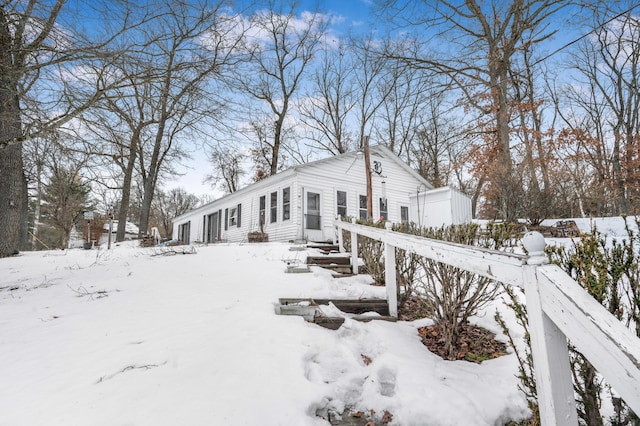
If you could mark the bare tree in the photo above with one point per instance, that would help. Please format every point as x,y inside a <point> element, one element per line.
<point>482,40</point>
<point>280,52</point>
<point>17,48</point>
<point>371,85</point>
<point>167,205</point>
<point>173,71</point>
<point>192,46</point>
<point>533,153</point>
<point>433,151</point>
<point>227,168</point>
<point>598,110</point>
<point>36,152</point>
<point>60,191</point>
<point>120,122</point>
<point>609,66</point>
<point>327,107</point>
<point>43,85</point>
<point>401,111</point>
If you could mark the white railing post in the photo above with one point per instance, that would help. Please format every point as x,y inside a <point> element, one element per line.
<point>340,236</point>
<point>391,283</point>
<point>354,249</point>
<point>554,385</point>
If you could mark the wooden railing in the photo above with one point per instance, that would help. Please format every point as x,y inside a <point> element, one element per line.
<point>558,309</point>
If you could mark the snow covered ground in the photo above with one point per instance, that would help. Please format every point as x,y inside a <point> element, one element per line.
<point>122,337</point>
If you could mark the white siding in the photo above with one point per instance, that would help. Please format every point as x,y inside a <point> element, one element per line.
<point>441,206</point>
<point>341,173</point>
<point>249,199</point>
<point>280,230</point>
<point>347,173</point>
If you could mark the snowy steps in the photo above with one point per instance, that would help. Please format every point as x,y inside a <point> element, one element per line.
<point>350,306</point>
<point>310,310</point>
<point>326,248</point>
<point>329,258</point>
<point>337,264</point>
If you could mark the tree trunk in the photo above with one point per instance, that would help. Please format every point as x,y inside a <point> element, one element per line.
<point>620,196</point>
<point>38,202</point>
<point>590,398</point>
<point>11,195</point>
<point>367,168</point>
<point>275,151</point>
<point>126,186</point>
<point>504,177</point>
<point>152,176</point>
<point>12,181</point>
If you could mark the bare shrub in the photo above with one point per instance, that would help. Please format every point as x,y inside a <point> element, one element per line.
<point>370,251</point>
<point>450,295</point>
<point>408,271</point>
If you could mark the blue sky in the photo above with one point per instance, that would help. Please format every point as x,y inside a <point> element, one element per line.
<point>357,16</point>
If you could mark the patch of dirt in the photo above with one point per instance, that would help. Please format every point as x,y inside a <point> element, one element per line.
<point>475,344</point>
<point>358,418</point>
<point>411,310</point>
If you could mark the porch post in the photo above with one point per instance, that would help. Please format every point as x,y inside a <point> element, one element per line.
<point>354,249</point>
<point>549,349</point>
<point>340,237</point>
<point>391,283</point>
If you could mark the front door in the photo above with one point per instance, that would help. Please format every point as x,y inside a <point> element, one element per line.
<point>212,227</point>
<point>312,217</point>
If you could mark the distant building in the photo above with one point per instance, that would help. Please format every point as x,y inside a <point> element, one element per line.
<point>302,202</point>
<point>131,231</point>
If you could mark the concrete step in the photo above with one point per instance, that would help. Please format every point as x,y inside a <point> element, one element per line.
<point>334,323</point>
<point>328,260</point>
<point>350,306</point>
<point>325,247</point>
<point>341,269</point>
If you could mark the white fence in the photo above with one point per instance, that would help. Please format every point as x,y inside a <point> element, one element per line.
<point>558,308</point>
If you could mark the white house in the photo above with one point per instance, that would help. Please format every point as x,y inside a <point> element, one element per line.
<point>302,202</point>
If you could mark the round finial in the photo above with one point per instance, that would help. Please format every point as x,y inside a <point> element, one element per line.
<point>534,243</point>
<point>388,226</point>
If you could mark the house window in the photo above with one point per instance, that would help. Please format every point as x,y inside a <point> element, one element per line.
<point>341,201</point>
<point>286,203</point>
<point>404,214</point>
<point>363,207</point>
<point>263,206</point>
<point>274,207</point>
<point>384,214</point>
<point>226,219</point>
<point>233,216</point>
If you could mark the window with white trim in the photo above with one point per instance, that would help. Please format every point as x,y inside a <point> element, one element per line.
<point>263,206</point>
<point>363,207</point>
<point>274,207</point>
<point>341,202</point>
<point>384,213</point>
<point>286,203</point>
<point>233,216</point>
<point>404,214</point>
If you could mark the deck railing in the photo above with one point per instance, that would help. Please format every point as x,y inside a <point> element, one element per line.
<point>558,309</point>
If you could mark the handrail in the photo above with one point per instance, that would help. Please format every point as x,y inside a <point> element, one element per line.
<point>494,264</point>
<point>557,306</point>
